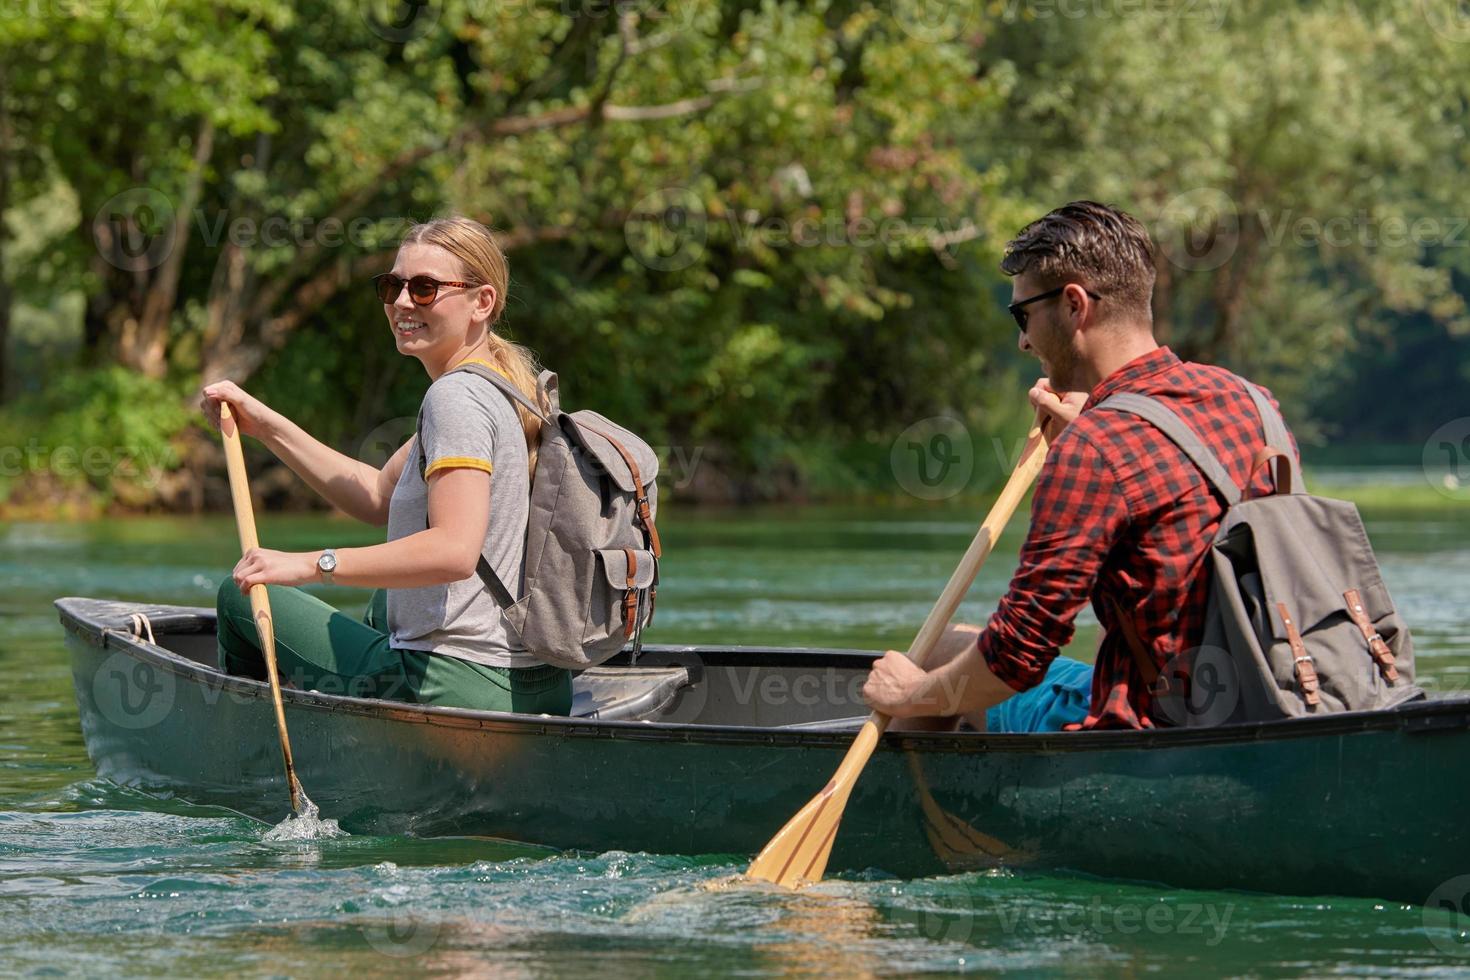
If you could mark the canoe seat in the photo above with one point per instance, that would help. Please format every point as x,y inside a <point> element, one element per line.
<point>626,693</point>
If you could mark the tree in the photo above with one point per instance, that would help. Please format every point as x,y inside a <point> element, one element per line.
<point>1298,188</point>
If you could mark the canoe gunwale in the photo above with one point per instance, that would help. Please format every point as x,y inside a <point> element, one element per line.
<point>98,623</point>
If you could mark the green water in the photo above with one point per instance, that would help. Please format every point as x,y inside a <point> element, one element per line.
<point>96,879</point>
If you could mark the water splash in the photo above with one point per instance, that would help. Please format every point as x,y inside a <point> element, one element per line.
<point>306,825</point>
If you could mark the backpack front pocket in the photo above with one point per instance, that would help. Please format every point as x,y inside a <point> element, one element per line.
<point>628,575</point>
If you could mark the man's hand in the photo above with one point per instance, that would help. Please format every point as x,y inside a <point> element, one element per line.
<point>898,688</point>
<point>1058,409</point>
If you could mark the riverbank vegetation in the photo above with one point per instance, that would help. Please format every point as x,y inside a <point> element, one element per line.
<point>764,234</point>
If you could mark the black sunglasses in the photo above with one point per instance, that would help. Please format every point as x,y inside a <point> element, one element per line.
<point>423,290</point>
<point>1021,314</point>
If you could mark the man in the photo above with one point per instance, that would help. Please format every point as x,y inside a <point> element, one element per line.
<point>1120,515</point>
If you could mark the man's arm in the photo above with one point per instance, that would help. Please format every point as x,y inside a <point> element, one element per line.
<point>1078,514</point>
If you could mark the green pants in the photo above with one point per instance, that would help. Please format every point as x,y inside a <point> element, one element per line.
<point>319,648</point>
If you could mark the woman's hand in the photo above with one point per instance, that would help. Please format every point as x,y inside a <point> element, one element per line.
<point>251,414</point>
<point>261,566</point>
<point>1057,409</point>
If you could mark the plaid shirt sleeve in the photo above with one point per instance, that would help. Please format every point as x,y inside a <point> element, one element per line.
<point>1078,513</point>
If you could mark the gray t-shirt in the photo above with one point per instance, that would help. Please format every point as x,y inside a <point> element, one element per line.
<point>465,422</point>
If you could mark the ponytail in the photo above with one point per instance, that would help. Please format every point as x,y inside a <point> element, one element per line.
<point>519,365</point>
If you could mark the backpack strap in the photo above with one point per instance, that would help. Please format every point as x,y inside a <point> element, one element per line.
<point>492,581</point>
<point>1277,438</point>
<point>510,391</point>
<point>497,588</point>
<point>1170,424</point>
<point>1158,684</point>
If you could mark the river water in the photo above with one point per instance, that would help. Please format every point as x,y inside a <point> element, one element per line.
<point>100,879</point>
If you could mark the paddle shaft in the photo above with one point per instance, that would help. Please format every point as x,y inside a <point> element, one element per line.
<point>260,603</point>
<point>1032,456</point>
<point>799,851</point>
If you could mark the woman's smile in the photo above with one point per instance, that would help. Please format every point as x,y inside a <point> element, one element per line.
<point>406,327</point>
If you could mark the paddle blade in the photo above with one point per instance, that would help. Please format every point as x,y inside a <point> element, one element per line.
<point>798,853</point>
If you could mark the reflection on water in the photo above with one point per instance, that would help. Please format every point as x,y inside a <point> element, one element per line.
<point>96,878</point>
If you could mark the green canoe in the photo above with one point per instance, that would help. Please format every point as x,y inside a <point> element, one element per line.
<point>710,750</point>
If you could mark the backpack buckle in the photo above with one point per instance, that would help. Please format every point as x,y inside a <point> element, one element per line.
<point>1378,647</point>
<point>630,612</point>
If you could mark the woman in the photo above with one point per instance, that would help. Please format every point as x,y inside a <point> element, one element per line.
<point>436,636</point>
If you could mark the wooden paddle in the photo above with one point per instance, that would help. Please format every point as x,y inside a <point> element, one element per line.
<point>260,603</point>
<point>799,851</point>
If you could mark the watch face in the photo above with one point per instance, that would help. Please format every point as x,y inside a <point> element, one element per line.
<point>327,563</point>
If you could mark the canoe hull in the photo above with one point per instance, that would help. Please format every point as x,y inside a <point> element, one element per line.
<point>1366,805</point>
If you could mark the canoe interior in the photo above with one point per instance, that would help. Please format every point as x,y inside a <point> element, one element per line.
<point>737,686</point>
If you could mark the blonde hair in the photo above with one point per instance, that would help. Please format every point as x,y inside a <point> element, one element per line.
<point>483,262</point>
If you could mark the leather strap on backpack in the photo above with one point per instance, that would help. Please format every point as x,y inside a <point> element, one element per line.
<point>1303,667</point>
<point>645,513</point>
<point>630,597</point>
<point>1158,684</point>
<point>1283,468</point>
<point>1377,646</point>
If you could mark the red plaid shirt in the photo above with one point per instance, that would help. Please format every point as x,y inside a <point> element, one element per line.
<point>1120,515</point>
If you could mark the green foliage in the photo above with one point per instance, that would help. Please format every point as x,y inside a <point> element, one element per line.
<point>766,230</point>
<point>1294,162</point>
<point>107,431</point>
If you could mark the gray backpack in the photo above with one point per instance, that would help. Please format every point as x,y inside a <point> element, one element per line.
<point>1299,622</point>
<point>592,549</point>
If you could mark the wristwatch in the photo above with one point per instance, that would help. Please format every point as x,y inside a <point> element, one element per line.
<point>327,564</point>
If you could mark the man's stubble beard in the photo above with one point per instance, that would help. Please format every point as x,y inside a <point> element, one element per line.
<point>1063,373</point>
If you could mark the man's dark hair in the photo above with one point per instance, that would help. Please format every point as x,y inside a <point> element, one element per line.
<point>1093,245</point>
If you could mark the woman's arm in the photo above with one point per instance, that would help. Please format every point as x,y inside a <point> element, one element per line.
<point>446,551</point>
<point>352,486</point>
